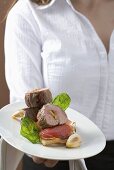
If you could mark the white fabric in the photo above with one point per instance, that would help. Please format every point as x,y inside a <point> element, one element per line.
<point>77,165</point>
<point>9,156</point>
<point>57,47</point>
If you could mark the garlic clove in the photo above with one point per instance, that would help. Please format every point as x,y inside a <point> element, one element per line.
<point>74,126</point>
<point>73,141</point>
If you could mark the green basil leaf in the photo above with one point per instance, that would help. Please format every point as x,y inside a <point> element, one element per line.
<point>62,100</point>
<point>29,130</point>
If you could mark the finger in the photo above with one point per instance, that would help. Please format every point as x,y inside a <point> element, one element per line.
<point>38,160</point>
<point>50,163</point>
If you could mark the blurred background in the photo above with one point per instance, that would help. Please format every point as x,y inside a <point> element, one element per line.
<point>5,6</point>
<point>4,93</point>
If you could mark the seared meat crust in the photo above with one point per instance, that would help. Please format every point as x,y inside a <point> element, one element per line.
<point>38,97</point>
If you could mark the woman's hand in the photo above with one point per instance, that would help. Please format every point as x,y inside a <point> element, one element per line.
<point>47,162</point>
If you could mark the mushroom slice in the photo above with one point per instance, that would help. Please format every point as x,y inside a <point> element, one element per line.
<point>18,114</point>
<point>73,141</point>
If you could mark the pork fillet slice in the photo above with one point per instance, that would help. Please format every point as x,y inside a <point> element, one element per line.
<point>38,97</point>
<point>50,115</point>
<point>31,113</point>
<point>61,131</point>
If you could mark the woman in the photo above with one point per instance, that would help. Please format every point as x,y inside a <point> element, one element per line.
<point>66,45</point>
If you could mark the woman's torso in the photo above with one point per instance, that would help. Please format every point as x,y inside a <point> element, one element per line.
<point>75,60</point>
<point>100,14</point>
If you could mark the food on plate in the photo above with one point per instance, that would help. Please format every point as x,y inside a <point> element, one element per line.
<point>45,121</point>
<point>50,115</point>
<point>31,112</point>
<point>62,100</point>
<point>30,130</point>
<point>73,141</point>
<point>38,97</point>
<point>58,134</point>
<point>18,114</point>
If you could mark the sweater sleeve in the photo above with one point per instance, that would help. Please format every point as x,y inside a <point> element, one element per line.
<point>23,67</point>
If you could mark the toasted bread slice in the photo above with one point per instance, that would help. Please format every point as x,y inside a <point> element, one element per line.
<point>52,142</point>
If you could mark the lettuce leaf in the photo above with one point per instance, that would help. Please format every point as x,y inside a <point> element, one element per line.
<point>29,130</point>
<point>62,100</point>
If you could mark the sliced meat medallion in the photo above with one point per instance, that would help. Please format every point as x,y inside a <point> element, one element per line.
<point>50,115</point>
<point>31,113</point>
<point>38,97</point>
<point>61,131</point>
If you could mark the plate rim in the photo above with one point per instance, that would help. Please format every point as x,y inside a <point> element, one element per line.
<point>50,157</point>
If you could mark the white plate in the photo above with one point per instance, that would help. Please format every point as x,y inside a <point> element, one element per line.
<point>93,140</point>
